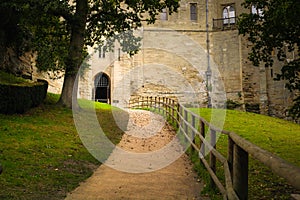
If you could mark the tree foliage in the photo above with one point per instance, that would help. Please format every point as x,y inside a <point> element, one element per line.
<point>29,29</point>
<point>60,30</point>
<point>13,36</point>
<point>276,29</point>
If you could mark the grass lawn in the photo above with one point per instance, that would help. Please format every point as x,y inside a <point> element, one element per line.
<point>10,79</point>
<point>275,135</point>
<point>41,153</point>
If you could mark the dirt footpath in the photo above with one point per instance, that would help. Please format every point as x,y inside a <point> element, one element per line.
<point>139,169</point>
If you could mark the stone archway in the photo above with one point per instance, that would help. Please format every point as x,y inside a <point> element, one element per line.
<point>102,85</point>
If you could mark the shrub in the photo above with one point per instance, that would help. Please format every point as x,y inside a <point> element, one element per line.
<point>230,104</point>
<point>20,98</point>
<point>252,108</point>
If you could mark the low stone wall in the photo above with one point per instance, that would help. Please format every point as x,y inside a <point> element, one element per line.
<point>19,99</point>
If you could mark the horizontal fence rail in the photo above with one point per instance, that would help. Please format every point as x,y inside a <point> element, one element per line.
<point>236,164</point>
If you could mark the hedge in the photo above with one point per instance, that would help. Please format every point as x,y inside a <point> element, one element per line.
<point>19,99</point>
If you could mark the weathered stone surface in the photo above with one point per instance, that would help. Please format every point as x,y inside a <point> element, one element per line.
<point>172,62</point>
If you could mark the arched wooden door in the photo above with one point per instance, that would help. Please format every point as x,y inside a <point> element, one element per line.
<point>102,88</point>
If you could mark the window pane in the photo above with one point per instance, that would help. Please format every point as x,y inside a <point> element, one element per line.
<point>232,14</point>
<point>193,11</point>
<point>102,51</point>
<point>102,81</point>
<point>225,15</point>
<point>164,14</point>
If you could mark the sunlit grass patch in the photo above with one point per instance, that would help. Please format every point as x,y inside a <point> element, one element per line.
<point>274,135</point>
<point>10,79</point>
<point>42,154</point>
<point>88,104</point>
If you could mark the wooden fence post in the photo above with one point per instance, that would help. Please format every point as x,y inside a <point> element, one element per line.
<point>159,105</point>
<point>178,116</point>
<point>169,109</point>
<point>186,129</point>
<point>173,107</point>
<point>193,132</point>
<point>202,132</point>
<point>147,102</point>
<point>230,154</point>
<point>180,119</point>
<point>212,158</point>
<point>155,103</point>
<point>240,172</point>
<point>164,106</point>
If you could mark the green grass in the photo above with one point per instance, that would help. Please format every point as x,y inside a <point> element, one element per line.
<point>275,135</point>
<point>10,79</point>
<point>41,153</point>
<point>86,104</point>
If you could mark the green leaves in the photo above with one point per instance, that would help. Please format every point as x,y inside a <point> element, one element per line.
<point>275,31</point>
<point>61,30</point>
<point>51,41</point>
<point>48,23</point>
<point>108,18</point>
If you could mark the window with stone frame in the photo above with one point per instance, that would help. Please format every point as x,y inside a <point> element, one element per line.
<point>102,51</point>
<point>193,12</point>
<point>164,14</point>
<point>228,15</point>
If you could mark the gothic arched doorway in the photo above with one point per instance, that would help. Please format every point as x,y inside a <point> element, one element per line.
<point>102,88</point>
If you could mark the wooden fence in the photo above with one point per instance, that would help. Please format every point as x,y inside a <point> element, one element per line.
<point>235,166</point>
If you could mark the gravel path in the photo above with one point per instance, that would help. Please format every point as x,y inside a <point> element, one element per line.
<point>148,163</point>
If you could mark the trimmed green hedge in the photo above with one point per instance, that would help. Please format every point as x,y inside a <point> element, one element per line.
<point>19,99</point>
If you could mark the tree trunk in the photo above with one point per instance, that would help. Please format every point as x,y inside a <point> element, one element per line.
<point>66,98</point>
<point>75,57</point>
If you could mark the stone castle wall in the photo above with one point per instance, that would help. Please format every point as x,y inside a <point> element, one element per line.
<point>173,62</point>
<point>226,53</point>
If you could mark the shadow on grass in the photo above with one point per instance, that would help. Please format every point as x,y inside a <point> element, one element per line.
<point>41,152</point>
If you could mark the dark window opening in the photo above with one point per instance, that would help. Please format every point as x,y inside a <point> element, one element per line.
<point>272,74</point>
<point>102,88</point>
<point>193,11</point>
<point>102,51</point>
